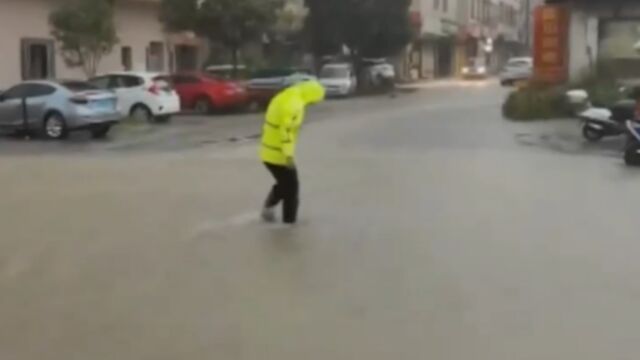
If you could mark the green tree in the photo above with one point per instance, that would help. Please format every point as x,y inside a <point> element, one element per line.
<point>86,32</point>
<point>368,28</point>
<point>232,23</point>
<point>286,36</point>
<point>323,26</point>
<point>290,19</point>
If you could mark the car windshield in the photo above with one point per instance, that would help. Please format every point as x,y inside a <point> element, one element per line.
<point>474,63</point>
<point>163,81</point>
<point>334,72</point>
<point>272,73</point>
<point>78,86</point>
<point>518,63</point>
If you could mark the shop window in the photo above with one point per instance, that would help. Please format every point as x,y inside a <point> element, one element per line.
<point>616,49</point>
<point>126,56</point>
<point>155,56</point>
<point>37,59</point>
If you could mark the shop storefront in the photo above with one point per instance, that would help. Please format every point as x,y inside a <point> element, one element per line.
<point>617,51</point>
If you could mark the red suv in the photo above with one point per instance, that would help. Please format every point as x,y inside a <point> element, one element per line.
<point>206,93</point>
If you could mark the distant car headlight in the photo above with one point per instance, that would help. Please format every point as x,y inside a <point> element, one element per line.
<point>465,70</point>
<point>482,69</point>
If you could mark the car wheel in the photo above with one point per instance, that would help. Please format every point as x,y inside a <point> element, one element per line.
<point>100,132</point>
<point>591,134</point>
<point>141,113</point>
<point>203,105</point>
<point>55,127</point>
<point>632,154</point>
<point>163,119</point>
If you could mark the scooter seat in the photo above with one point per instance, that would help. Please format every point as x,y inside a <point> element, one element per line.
<point>597,114</point>
<point>623,110</point>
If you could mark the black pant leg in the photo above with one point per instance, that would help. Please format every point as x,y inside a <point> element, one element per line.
<point>291,196</point>
<point>277,191</point>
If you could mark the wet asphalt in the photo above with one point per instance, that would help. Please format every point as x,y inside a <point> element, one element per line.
<point>430,228</point>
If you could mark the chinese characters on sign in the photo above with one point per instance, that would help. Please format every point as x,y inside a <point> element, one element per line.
<point>550,44</point>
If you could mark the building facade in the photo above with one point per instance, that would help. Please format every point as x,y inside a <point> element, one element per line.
<point>452,32</point>
<point>606,33</point>
<point>30,52</point>
<point>433,53</point>
<point>505,29</point>
<point>527,21</point>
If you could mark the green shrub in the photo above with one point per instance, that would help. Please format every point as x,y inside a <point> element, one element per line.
<point>540,101</point>
<point>536,102</point>
<point>601,83</point>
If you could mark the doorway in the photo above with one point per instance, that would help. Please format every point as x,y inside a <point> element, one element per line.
<point>126,58</point>
<point>155,56</point>
<point>444,58</point>
<point>186,58</point>
<point>37,59</point>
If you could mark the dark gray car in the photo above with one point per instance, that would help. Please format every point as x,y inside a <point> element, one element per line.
<point>54,108</point>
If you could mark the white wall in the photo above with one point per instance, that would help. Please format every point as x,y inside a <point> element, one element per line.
<point>578,47</point>
<point>136,22</point>
<point>432,18</point>
<point>19,19</point>
<point>584,30</point>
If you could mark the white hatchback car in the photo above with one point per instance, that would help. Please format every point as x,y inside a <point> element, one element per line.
<point>142,95</point>
<point>516,69</point>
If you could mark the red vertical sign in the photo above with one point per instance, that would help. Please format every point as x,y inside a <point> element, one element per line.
<point>550,52</point>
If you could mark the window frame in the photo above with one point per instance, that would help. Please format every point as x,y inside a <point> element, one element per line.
<point>121,81</point>
<point>23,87</point>
<point>38,90</point>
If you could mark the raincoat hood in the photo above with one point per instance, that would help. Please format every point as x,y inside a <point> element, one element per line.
<point>312,92</point>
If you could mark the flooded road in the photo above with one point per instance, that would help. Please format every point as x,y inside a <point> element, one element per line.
<point>430,230</point>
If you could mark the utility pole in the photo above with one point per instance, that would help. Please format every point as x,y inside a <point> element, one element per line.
<point>527,24</point>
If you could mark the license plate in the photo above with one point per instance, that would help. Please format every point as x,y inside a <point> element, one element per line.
<point>103,105</point>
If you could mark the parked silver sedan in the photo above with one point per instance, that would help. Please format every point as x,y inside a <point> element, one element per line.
<point>54,108</point>
<point>516,69</point>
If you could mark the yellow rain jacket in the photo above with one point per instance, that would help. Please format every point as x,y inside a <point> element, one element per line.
<point>284,117</point>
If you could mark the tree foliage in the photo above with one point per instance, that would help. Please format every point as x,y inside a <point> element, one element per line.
<point>178,15</point>
<point>290,19</point>
<point>86,32</point>
<point>232,23</point>
<point>323,26</point>
<point>369,28</point>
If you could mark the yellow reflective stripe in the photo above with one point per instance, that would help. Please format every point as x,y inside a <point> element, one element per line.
<point>270,147</point>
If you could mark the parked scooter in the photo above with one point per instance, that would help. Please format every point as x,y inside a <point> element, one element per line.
<point>598,122</point>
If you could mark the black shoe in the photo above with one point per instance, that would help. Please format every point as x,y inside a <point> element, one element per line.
<point>268,215</point>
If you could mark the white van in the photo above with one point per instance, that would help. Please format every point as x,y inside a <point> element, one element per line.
<point>338,79</point>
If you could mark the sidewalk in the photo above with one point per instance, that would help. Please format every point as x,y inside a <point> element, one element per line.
<point>438,83</point>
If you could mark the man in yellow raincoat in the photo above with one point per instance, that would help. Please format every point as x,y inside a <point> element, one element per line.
<point>284,117</point>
